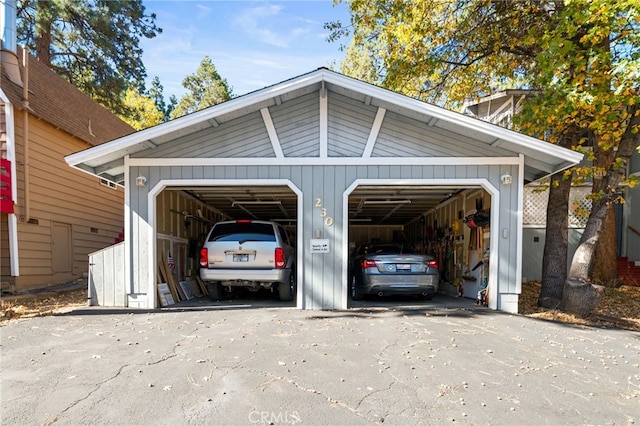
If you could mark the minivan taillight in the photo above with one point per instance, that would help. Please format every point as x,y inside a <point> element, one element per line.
<point>204,257</point>
<point>431,263</point>
<point>367,263</point>
<point>279,257</point>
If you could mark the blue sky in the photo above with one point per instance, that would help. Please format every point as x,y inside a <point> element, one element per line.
<point>253,44</point>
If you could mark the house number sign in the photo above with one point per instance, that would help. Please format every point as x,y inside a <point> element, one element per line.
<point>328,220</point>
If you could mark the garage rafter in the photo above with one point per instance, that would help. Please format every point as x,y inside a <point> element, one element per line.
<point>396,205</point>
<point>256,202</point>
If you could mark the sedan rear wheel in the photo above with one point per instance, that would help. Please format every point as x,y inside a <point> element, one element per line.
<point>356,293</point>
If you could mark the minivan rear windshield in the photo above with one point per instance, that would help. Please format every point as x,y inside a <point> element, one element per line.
<point>243,231</point>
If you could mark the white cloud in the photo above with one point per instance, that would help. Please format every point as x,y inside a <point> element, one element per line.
<point>203,9</point>
<point>269,25</point>
<point>251,47</point>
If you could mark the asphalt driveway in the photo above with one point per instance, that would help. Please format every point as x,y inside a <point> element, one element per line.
<point>439,362</point>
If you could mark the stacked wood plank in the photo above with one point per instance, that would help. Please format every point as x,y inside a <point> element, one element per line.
<point>178,294</point>
<point>167,277</point>
<point>201,284</point>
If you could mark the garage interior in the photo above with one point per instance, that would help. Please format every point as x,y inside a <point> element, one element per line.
<point>426,217</point>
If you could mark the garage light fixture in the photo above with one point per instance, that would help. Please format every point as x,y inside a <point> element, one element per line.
<point>252,202</point>
<point>387,202</point>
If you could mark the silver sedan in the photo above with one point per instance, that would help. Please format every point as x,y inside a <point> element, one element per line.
<point>389,268</point>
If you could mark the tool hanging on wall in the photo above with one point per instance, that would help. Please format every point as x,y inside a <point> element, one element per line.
<point>478,217</point>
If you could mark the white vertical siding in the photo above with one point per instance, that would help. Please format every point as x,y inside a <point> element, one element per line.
<point>107,277</point>
<point>245,136</point>
<point>349,126</point>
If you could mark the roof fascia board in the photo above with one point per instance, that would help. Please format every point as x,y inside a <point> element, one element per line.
<point>545,174</point>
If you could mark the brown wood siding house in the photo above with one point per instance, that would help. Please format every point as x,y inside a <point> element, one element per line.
<point>61,213</point>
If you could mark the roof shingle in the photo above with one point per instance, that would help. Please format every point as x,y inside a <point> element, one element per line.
<point>53,99</point>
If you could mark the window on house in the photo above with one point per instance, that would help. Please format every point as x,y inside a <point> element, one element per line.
<point>105,182</point>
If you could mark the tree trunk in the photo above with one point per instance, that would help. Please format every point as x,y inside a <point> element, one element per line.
<point>582,262</point>
<point>605,261</point>
<point>583,259</point>
<point>605,265</point>
<point>43,31</point>
<point>581,298</point>
<point>554,260</point>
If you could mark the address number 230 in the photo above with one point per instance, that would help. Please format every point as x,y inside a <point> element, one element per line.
<point>328,220</point>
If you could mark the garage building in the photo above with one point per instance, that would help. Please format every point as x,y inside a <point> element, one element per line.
<point>340,162</point>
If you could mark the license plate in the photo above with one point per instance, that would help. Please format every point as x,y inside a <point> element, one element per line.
<point>240,257</point>
<point>403,267</point>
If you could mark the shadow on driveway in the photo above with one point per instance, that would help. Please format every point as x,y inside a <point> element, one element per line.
<point>441,305</point>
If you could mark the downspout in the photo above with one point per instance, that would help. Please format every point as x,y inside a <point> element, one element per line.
<point>26,214</point>
<point>9,62</point>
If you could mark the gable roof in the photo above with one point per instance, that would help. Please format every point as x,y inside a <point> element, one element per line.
<point>540,158</point>
<point>56,101</point>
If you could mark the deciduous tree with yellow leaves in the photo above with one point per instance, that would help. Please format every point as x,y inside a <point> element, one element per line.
<point>142,112</point>
<point>581,60</point>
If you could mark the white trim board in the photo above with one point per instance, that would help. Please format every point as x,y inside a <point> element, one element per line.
<point>453,182</point>
<point>329,161</point>
<point>271,131</point>
<point>151,215</point>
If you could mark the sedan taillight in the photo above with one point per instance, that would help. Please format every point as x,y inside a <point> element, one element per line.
<point>204,257</point>
<point>431,263</point>
<point>367,263</point>
<point>279,257</point>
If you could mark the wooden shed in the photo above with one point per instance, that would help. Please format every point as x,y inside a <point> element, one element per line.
<point>338,160</point>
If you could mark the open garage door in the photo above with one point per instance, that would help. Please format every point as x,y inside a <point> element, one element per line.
<point>407,242</point>
<point>186,214</point>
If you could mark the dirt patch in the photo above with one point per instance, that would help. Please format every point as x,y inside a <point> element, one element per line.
<point>39,305</point>
<point>620,307</point>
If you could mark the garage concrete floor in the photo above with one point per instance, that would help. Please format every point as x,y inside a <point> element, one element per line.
<point>444,361</point>
<point>267,300</point>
